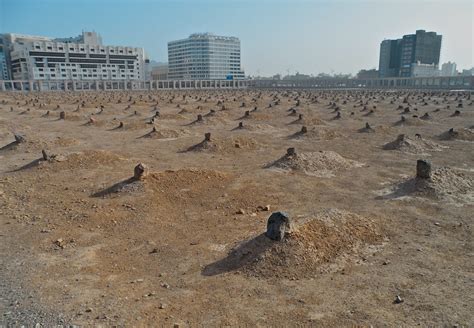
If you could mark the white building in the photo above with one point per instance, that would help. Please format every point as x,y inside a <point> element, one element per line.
<point>424,70</point>
<point>79,58</point>
<point>205,56</point>
<point>448,69</point>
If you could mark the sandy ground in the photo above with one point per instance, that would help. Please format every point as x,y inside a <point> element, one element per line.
<point>83,243</point>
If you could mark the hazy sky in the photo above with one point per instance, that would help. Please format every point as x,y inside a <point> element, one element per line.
<point>276,36</point>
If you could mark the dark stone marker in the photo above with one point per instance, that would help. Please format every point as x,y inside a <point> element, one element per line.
<point>199,118</point>
<point>304,129</point>
<point>19,138</point>
<point>62,115</point>
<point>278,225</point>
<point>291,151</point>
<point>241,125</point>
<point>140,171</point>
<point>207,136</point>
<point>46,156</point>
<point>423,169</point>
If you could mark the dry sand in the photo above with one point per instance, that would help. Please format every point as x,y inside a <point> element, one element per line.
<point>83,243</point>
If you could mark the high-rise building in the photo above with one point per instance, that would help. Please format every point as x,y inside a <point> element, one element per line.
<point>389,61</point>
<point>448,69</point>
<point>4,75</point>
<point>205,56</point>
<point>78,58</point>
<point>397,57</point>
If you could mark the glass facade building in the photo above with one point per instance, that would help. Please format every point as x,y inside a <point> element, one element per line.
<point>204,57</point>
<point>397,57</point>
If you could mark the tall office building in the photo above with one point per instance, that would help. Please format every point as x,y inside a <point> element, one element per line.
<point>448,69</point>
<point>205,56</point>
<point>4,74</point>
<point>78,58</point>
<point>397,57</point>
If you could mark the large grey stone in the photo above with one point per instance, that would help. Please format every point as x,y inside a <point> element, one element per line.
<point>278,225</point>
<point>423,169</point>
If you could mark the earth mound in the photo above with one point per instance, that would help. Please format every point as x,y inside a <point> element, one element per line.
<point>87,159</point>
<point>165,133</point>
<point>461,134</point>
<point>225,145</point>
<point>23,144</point>
<point>320,164</point>
<point>317,133</point>
<point>413,146</point>
<point>323,243</point>
<point>445,184</point>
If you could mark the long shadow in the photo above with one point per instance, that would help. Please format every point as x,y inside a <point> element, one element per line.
<point>30,165</point>
<point>297,121</point>
<point>238,128</point>
<point>10,146</point>
<point>366,130</point>
<point>407,188</point>
<point>448,135</point>
<point>205,144</point>
<point>148,134</point>
<point>194,123</point>
<point>243,118</point>
<point>245,253</point>
<point>115,188</point>
<point>117,128</point>
<point>296,135</point>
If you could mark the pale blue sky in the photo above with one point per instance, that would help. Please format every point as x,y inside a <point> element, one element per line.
<point>307,36</point>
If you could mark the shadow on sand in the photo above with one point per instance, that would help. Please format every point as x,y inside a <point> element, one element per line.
<point>115,188</point>
<point>10,146</point>
<point>30,165</point>
<point>245,253</point>
<point>410,187</point>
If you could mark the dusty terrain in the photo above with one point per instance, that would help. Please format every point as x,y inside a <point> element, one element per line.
<point>82,242</point>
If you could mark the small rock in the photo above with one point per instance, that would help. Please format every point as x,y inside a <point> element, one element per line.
<point>398,300</point>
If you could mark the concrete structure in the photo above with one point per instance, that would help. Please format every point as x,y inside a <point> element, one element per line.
<point>160,72</point>
<point>9,39</point>
<point>368,74</point>
<point>467,72</point>
<point>79,58</point>
<point>398,56</point>
<point>117,85</point>
<point>448,69</point>
<point>205,56</point>
<point>422,83</point>
<point>424,70</point>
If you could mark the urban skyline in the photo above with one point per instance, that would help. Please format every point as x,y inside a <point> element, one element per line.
<point>326,50</point>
